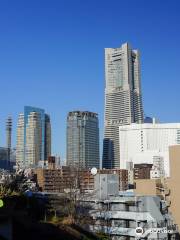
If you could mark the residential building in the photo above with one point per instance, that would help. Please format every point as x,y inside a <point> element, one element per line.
<point>33,137</point>
<point>123,176</point>
<point>157,170</point>
<point>87,180</point>
<point>51,162</point>
<point>49,180</point>
<point>58,180</point>
<point>120,217</point>
<point>33,147</point>
<point>166,188</point>
<point>130,169</point>
<point>142,143</point>
<point>123,101</point>
<point>142,171</point>
<point>83,140</point>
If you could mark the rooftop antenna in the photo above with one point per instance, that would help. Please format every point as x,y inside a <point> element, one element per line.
<point>94,171</point>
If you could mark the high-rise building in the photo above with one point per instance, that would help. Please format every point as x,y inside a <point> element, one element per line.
<point>33,148</point>
<point>47,152</point>
<point>3,158</point>
<point>33,137</point>
<point>8,136</point>
<point>83,139</point>
<point>145,143</point>
<point>20,142</point>
<point>123,101</point>
<point>148,120</point>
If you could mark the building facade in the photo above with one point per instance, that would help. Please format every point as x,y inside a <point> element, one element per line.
<point>173,182</point>
<point>120,217</point>
<point>123,101</point>
<point>8,136</point>
<point>47,141</point>
<point>142,171</point>
<point>83,140</point>
<point>3,157</point>
<point>52,179</point>
<point>33,137</point>
<point>143,143</point>
<point>166,188</point>
<point>158,167</point>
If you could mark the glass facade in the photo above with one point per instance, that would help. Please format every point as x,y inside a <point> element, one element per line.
<point>83,139</point>
<point>123,101</point>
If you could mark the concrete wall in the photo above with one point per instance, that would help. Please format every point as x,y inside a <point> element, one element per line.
<point>145,187</point>
<point>174,182</point>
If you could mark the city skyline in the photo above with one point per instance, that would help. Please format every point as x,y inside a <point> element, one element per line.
<point>89,119</point>
<point>36,68</point>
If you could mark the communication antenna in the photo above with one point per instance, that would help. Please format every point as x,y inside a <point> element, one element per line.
<point>94,171</point>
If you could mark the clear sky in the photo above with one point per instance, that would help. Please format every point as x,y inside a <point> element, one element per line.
<point>52,56</point>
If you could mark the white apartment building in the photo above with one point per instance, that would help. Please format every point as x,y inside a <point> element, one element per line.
<point>142,143</point>
<point>33,138</point>
<point>158,167</point>
<point>121,214</point>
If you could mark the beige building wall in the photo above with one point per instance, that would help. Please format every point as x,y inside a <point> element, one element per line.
<point>148,187</point>
<point>156,186</point>
<point>174,182</point>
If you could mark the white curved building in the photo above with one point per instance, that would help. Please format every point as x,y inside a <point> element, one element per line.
<point>141,143</point>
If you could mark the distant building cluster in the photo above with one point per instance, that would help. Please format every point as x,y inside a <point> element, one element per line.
<point>65,178</point>
<point>140,156</point>
<point>129,138</point>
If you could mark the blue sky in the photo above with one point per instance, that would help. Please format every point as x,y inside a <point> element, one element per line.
<point>52,56</point>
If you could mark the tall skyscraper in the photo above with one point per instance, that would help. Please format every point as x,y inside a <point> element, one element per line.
<point>33,137</point>
<point>123,101</point>
<point>8,136</point>
<point>20,142</point>
<point>83,140</point>
<point>47,137</point>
